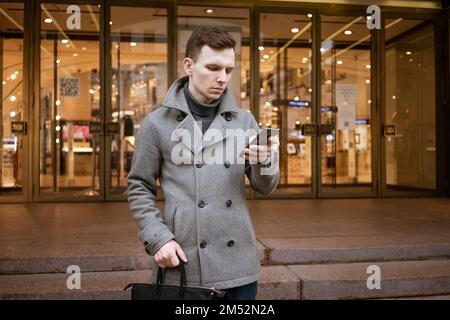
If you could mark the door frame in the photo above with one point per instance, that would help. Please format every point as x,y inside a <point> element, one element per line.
<point>107,82</point>
<point>389,193</point>
<point>36,34</point>
<point>255,66</point>
<point>342,192</point>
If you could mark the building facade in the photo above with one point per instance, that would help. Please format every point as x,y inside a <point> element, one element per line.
<point>362,109</point>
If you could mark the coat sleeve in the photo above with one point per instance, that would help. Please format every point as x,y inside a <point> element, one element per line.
<point>260,182</point>
<point>142,189</point>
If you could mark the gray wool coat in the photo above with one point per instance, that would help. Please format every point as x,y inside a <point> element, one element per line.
<point>205,205</point>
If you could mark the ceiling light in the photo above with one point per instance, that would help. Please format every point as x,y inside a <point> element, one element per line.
<point>13,76</point>
<point>91,91</point>
<point>309,15</point>
<point>48,20</point>
<point>110,23</point>
<point>368,66</point>
<point>64,41</point>
<point>58,102</point>
<point>261,48</point>
<point>209,11</point>
<point>75,54</point>
<point>367,81</point>
<point>84,48</point>
<point>394,97</point>
<point>339,62</point>
<point>58,61</point>
<point>305,60</point>
<point>295,30</point>
<point>12,98</point>
<point>266,56</point>
<point>296,98</point>
<point>4,82</point>
<point>12,114</point>
<point>58,117</point>
<point>408,52</point>
<point>133,44</point>
<point>348,32</point>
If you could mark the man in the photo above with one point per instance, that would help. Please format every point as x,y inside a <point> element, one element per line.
<point>206,222</point>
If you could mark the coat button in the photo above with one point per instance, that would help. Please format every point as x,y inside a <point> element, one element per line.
<point>228,117</point>
<point>180,117</point>
<point>227,164</point>
<point>230,243</point>
<point>201,203</point>
<point>203,245</point>
<point>180,138</point>
<point>229,202</point>
<point>199,165</point>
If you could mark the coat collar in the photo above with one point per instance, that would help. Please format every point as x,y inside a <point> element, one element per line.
<point>175,98</point>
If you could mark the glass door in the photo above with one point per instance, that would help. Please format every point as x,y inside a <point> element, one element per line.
<point>69,102</point>
<point>346,113</point>
<point>286,92</point>
<point>13,106</point>
<point>409,114</point>
<point>137,82</point>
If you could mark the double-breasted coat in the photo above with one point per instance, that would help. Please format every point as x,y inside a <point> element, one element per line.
<point>205,204</point>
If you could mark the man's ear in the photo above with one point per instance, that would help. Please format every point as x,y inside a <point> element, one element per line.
<point>187,64</point>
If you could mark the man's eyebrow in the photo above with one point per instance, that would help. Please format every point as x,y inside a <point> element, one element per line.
<point>218,65</point>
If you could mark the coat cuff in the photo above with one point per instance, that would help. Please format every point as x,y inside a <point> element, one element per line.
<point>152,247</point>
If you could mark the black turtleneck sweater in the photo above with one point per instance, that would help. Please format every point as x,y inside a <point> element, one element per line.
<point>201,111</point>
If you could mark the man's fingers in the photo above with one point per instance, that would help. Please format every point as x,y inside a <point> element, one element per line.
<point>181,254</point>
<point>174,260</point>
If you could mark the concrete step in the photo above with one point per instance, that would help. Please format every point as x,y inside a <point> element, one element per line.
<point>398,279</point>
<point>89,257</point>
<point>322,250</point>
<point>319,250</point>
<point>277,282</point>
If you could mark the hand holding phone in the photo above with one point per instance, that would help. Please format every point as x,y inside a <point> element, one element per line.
<point>260,146</point>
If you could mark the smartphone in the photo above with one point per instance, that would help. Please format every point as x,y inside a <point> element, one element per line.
<point>264,132</point>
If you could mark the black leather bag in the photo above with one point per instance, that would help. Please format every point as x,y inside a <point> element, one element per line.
<point>161,291</point>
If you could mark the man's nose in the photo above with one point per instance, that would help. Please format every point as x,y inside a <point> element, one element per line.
<point>222,77</point>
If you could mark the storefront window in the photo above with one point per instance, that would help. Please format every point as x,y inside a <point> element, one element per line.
<point>410,105</point>
<point>12,107</point>
<point>139,79</point>
<point>69,98</point>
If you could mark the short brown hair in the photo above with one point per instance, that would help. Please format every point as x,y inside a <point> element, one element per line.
<point>215,38</point>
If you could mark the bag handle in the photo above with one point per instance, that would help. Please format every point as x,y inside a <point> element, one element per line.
<point>183,281</point>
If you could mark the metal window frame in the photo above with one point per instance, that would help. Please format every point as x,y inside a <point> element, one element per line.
<point>32,66</point>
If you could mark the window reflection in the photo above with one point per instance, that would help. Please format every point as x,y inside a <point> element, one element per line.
<point>139,79</point>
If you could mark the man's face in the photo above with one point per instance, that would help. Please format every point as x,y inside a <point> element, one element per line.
<point>209,73</point>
